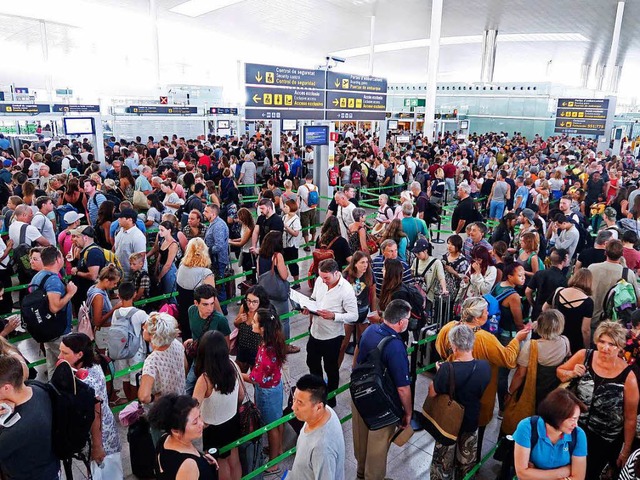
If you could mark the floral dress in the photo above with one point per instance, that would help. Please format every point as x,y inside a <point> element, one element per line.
<point>460,265</point>
<point>110,439</point>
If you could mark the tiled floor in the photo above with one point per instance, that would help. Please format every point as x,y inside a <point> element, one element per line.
<point>411,461</point>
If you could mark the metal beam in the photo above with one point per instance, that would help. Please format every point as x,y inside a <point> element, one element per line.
<point>432,69</point>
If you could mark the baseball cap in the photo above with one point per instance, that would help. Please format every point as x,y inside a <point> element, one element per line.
<point>610,213</point>
<point>421,245</point>
<point>128,213</point>
<point>83,230</point>
<point>529,214</point>
<point>182,165</point>
<point>72,216</point>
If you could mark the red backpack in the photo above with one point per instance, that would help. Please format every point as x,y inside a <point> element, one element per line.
<point>319,254</point>
<point>334,174</point>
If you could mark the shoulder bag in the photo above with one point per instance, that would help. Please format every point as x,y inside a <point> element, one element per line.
<point>277,289</point>
<point>443,414</point>
<point>191,350</point>
<point>249,416</point>
<point>522,403</point>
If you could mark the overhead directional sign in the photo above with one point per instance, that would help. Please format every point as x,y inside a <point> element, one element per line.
<point>283,114</point>
<point>277,76</point>
<point>162,110</point>
<point>284,97</point>
<point>23,108</point>
<point>21,91</point>
<point>76,108</point>
<point>223,111</point>
<point>582,116</point>
<point>354,115</point>
<point>356,101</point>
<point>356,83</point>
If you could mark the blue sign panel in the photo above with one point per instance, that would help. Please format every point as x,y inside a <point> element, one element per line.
<point>64,108</point>
<point>316,135</point>
<point>278,76</point>
<point>162,110</point>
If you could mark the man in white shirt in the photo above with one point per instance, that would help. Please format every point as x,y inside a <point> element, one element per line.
<point>337,305</point>
<point>344,213</point>
<point>308,210</point>
<point>23,215</point>
<point>129,240</point>
<point>41,219</point>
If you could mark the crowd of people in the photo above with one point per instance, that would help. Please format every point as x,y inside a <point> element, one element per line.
<point>534,302</point>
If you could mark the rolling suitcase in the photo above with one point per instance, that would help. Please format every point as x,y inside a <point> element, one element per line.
<point>141,449</point>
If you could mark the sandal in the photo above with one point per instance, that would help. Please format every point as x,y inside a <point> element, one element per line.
<point>293,349</point>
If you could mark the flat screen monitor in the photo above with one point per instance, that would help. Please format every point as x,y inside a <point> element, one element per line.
<point>288,125</point>
<point>392,125</point>
<point>223,124</point>
<point>464,124</point>
<point>316,135</point>
<point>79,126</point>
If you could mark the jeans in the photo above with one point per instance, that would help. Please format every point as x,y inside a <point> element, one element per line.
<point>269,402</point>
<point>222,292</point>
<point>450,183</point>
<point>327,351</point>
<point>283,308</point>
<point>168,282</point>
<point>496,209</point>
<point>191,379</point>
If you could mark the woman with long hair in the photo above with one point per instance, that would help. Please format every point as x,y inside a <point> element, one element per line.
<point>99,303</point>
<point>357,231</point>
<point>291,237</point>
<point>270,255</point>
<point>482,273</point>
<point>266,377</point>
<point>155,212</point>
<point>106,216</point>
<point>127,183</point>
<point>575,302</point>
<point>73,195</point>
<point>246,260</point>
<point>218,390</point>
<point>77,350</point>
<point>360,275</point>
<point>455,265</point>
<point>249,341</point>
<point>505,231</point>
<point>395,233</point>
<point>528,255</point>
<point>169,249</point>
<point>331,238</point>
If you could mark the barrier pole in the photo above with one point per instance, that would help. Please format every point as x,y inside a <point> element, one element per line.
<point>416,416</point>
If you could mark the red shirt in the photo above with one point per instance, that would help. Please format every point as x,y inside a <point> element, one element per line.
<point>632,257</point>
<point>433,168</point>
<point>449,170</point>
<point>205,160</point>
<point>266,372</point>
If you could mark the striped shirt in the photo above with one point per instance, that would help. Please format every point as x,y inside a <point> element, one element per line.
<point>378,263</point>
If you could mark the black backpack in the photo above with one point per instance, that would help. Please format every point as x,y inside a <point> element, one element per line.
<point>372,176</point>
<point>73,411</point>
<point>41,323</point>
<point>585,240</point>
<point>21,256</point>
<point>373,392</point>
<point>418,311</point>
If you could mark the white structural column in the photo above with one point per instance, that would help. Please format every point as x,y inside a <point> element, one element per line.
<point>611,72</point>
<point>155,44</point>
<point>432,69</point>
<point>372,33</point>
<point>44,44</point>
<point>489,42</point>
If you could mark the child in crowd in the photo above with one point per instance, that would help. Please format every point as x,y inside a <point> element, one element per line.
<point>140,277</point>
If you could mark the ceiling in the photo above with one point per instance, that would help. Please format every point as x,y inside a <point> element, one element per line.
<point>107,33</point>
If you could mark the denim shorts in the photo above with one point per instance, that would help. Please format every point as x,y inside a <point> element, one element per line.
<point>269,402</point>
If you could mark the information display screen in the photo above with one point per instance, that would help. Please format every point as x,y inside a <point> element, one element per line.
<point>392,124</point>
<point>288,125</point>
<point>79,126</point>
<point>223,124</point>
<point>316,135</point>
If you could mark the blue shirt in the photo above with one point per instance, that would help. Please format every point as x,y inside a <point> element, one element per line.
<point>378,263</point>
<point>394,355</point>
<point>56,285</point>
<point>524,193</point>
<point>217,239</point>
<point>93,204</point>
<point>545,455</point>
<point>4,143</point>
<point>142,184</point>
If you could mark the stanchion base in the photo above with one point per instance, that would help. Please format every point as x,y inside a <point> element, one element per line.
<point>437,240</point>
<point>417,420</point>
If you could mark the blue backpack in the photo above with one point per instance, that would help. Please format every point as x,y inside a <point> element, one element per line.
<point>492,325</point>
<point>314,197</point>
<point>61,211</point>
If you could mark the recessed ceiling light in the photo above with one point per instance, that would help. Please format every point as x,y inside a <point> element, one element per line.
<point>195,8</point>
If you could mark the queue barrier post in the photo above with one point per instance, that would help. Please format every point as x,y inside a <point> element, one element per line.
<point>416,416</point>
<point>438,240</point>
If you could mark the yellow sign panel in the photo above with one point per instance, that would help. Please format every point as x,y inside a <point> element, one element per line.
<point>351,103</point>
<point>570,104</point>
<point>288,100</point>
<point>343,103</point>
<point>269,77</point>
<point>267,99</point>
<point>277,99</point>
<point>358,103</point>
<point>345,83</point>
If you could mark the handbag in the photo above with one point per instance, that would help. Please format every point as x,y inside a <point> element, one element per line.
<point>249,416</point>
<point>522,403</point>
<point>319,254</point>
<point>191,350</point>
<point>443,414</point>
<point>140,200</point>
<point>233,342</point>
<point>277,289</point>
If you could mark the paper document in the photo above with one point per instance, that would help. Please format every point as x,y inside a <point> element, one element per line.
<point>303,301</point>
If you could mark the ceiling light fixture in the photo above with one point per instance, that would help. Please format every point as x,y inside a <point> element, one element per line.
<point>195,8</point>
<point>463,40</point>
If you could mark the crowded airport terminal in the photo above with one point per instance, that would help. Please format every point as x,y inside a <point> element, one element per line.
<point>320,240</point>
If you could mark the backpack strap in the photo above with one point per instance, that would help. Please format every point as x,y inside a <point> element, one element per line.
<point>43,281</point>
<point>429,265</point>
<point>625,274</point>
<point>509,291</point>
<point>534,431</point>
<point>23,234</point>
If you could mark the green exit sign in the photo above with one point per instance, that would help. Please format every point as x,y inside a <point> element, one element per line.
<point>414,102</point>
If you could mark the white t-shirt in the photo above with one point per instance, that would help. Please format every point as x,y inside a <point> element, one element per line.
<point>44,225</point>
<point>398,178</point>
<point>293,223</point>
<point>32,233</point>
<point>174,199</point>
<point>303,195</point>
